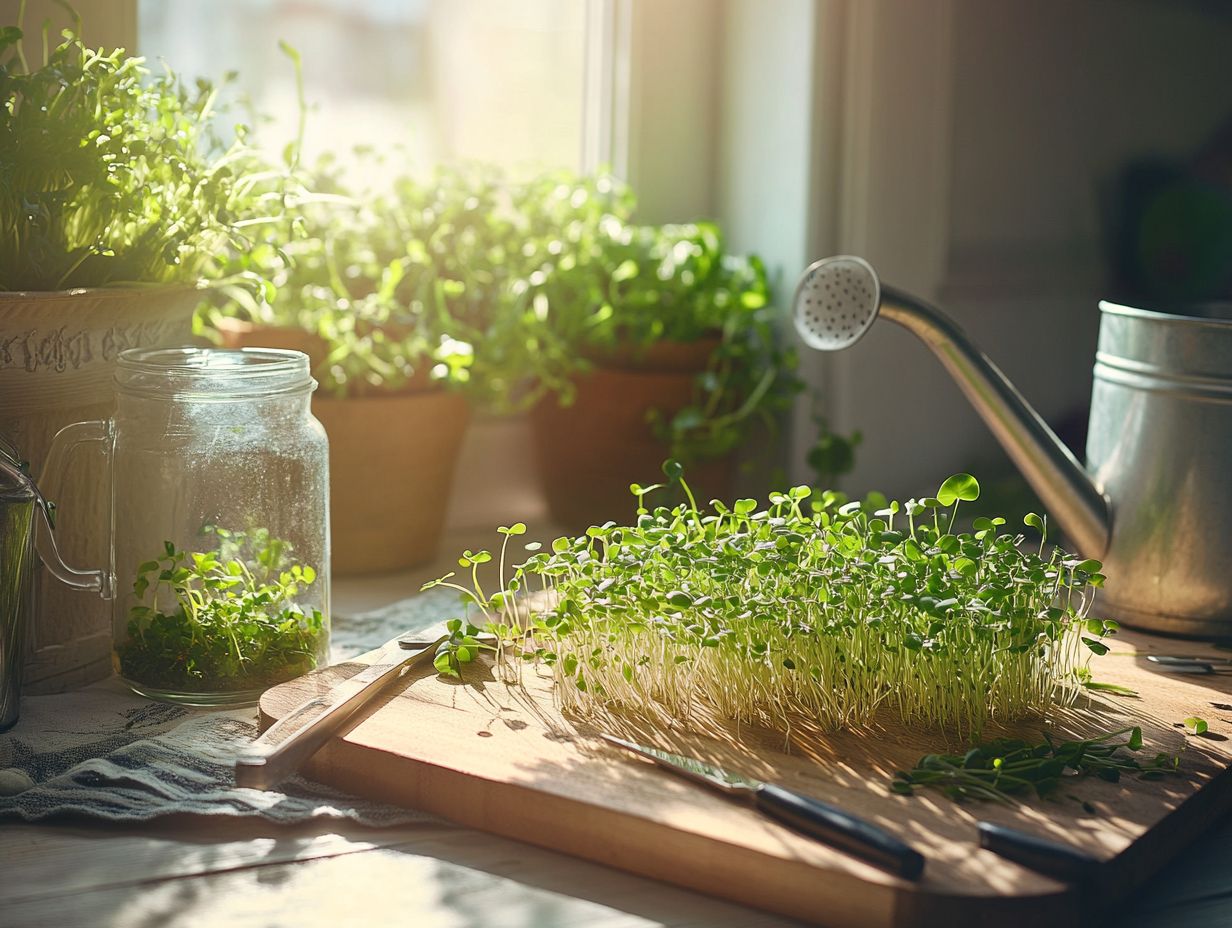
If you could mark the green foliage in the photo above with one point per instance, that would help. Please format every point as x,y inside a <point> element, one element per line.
<point>665,283</point>
<point>1006,768</point>
<point>432,279</point>
<point>637,286</point>
<point>222,620</point>
<point>112,176</point>
<point>832,455</point>
<point>511,288</point>
<point>808,606</point>
<point>461,647</point>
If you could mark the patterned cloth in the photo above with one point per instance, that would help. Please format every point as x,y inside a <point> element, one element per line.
<point>105,752</point>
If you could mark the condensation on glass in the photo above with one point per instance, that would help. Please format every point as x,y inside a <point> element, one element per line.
<point>219,568</point>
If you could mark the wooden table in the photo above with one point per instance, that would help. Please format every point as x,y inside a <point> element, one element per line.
<point>187,871</point>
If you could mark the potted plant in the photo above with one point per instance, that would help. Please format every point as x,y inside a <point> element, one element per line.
<point>116,193</point>
<point>669,350</point>
<point>368,310</point>
<point>430,288</point>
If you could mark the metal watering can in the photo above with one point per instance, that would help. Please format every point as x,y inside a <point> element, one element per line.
<point>23,511</point>
<point>1154,502</point>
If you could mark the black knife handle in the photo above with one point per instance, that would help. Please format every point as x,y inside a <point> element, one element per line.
<point>1040,854</point>
<point>840,829</point>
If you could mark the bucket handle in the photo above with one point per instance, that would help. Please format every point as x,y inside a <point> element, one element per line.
<point>99,580</point>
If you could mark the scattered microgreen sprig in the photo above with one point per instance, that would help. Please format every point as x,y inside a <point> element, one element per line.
<point>222,620</point>
<point>463,644</point>
<point>1088,682</point>
<point>1006,768</point>
<point>809,607</point>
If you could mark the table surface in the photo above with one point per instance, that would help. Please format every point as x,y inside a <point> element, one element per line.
<point>181,871</point>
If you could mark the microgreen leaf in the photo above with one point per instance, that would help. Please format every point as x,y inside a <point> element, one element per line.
<point>1097,647</point>
<point>959,487</point>
<point>983,772</point>
<point>445,664</point>
<point>1195,726</point>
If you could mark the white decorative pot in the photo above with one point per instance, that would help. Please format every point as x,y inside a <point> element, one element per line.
<point>57,356</point>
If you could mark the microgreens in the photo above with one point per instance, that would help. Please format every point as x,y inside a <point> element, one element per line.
<point>222,620</point>
<point>809,606</point>
<point>1002,769</point>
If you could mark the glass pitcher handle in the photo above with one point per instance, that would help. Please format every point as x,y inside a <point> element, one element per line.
<point>100,580</point>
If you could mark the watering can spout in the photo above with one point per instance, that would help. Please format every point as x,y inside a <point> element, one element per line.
<point>1060,481</point>
<point>839,298</point>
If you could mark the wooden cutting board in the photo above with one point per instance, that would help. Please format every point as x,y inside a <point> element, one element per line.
<point>501,757</point>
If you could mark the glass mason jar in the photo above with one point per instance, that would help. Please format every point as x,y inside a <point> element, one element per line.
<point>219,522</point>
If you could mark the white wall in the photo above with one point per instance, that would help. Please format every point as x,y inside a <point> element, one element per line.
<point>673,108</point>
<point>1037,104</point>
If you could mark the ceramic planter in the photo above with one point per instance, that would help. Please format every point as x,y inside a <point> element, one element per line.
<point>588,453</point>
<point>57,357</point>
<point>497,482</point>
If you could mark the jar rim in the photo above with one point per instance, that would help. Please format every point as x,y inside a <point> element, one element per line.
<point>213,371</point>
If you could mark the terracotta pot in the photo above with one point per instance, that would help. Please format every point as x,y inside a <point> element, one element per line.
<point>588,453</point>
<point>391,464</point>
<point>57,361</point>
<point>236,333</point>
<point>661,357</point>
<point>496,482</point>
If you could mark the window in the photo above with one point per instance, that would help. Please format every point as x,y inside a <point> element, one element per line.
<point>423,81</point>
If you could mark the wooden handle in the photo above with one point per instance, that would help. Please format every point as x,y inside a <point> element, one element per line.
<point>272,759</point>
<point>840,829</point>
<point>265,769</point>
